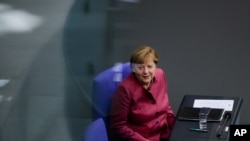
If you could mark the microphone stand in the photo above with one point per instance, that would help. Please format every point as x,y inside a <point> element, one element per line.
<point>227,116</point>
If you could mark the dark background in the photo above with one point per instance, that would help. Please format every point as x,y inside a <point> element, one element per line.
<point>203,46</point>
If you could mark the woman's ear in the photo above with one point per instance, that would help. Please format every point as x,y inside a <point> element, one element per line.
<point>132,67</point>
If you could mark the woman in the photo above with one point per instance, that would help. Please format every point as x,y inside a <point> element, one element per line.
<point>140,109</point>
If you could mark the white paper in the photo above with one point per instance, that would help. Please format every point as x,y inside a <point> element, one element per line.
<point>227,105</point>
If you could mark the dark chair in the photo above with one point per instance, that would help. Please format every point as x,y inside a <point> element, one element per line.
<point>104,86</point>
<point>96,131</point>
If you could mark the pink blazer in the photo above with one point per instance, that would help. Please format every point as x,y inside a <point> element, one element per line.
<point>138,114</point>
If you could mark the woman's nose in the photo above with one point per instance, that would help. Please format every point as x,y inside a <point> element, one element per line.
<point>145,70</point>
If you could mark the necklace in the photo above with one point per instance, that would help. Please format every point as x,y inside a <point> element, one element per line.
<point>147,86</point>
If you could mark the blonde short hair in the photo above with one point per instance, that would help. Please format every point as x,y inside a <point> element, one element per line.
<point>142,54</point>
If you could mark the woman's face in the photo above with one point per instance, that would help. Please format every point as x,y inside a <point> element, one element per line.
<point>144,72</point>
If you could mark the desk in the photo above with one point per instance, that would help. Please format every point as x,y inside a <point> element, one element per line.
<point>181,128</point>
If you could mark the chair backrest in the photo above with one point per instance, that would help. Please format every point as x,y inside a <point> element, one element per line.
<point>95,131</point>
<point>104,86</point>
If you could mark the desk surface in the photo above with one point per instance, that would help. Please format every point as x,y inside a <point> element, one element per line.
<point>181,128</point>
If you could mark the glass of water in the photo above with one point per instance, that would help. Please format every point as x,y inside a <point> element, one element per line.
<point>204,111</point>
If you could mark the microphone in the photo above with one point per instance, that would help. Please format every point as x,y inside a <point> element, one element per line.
<point>226,116</point>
